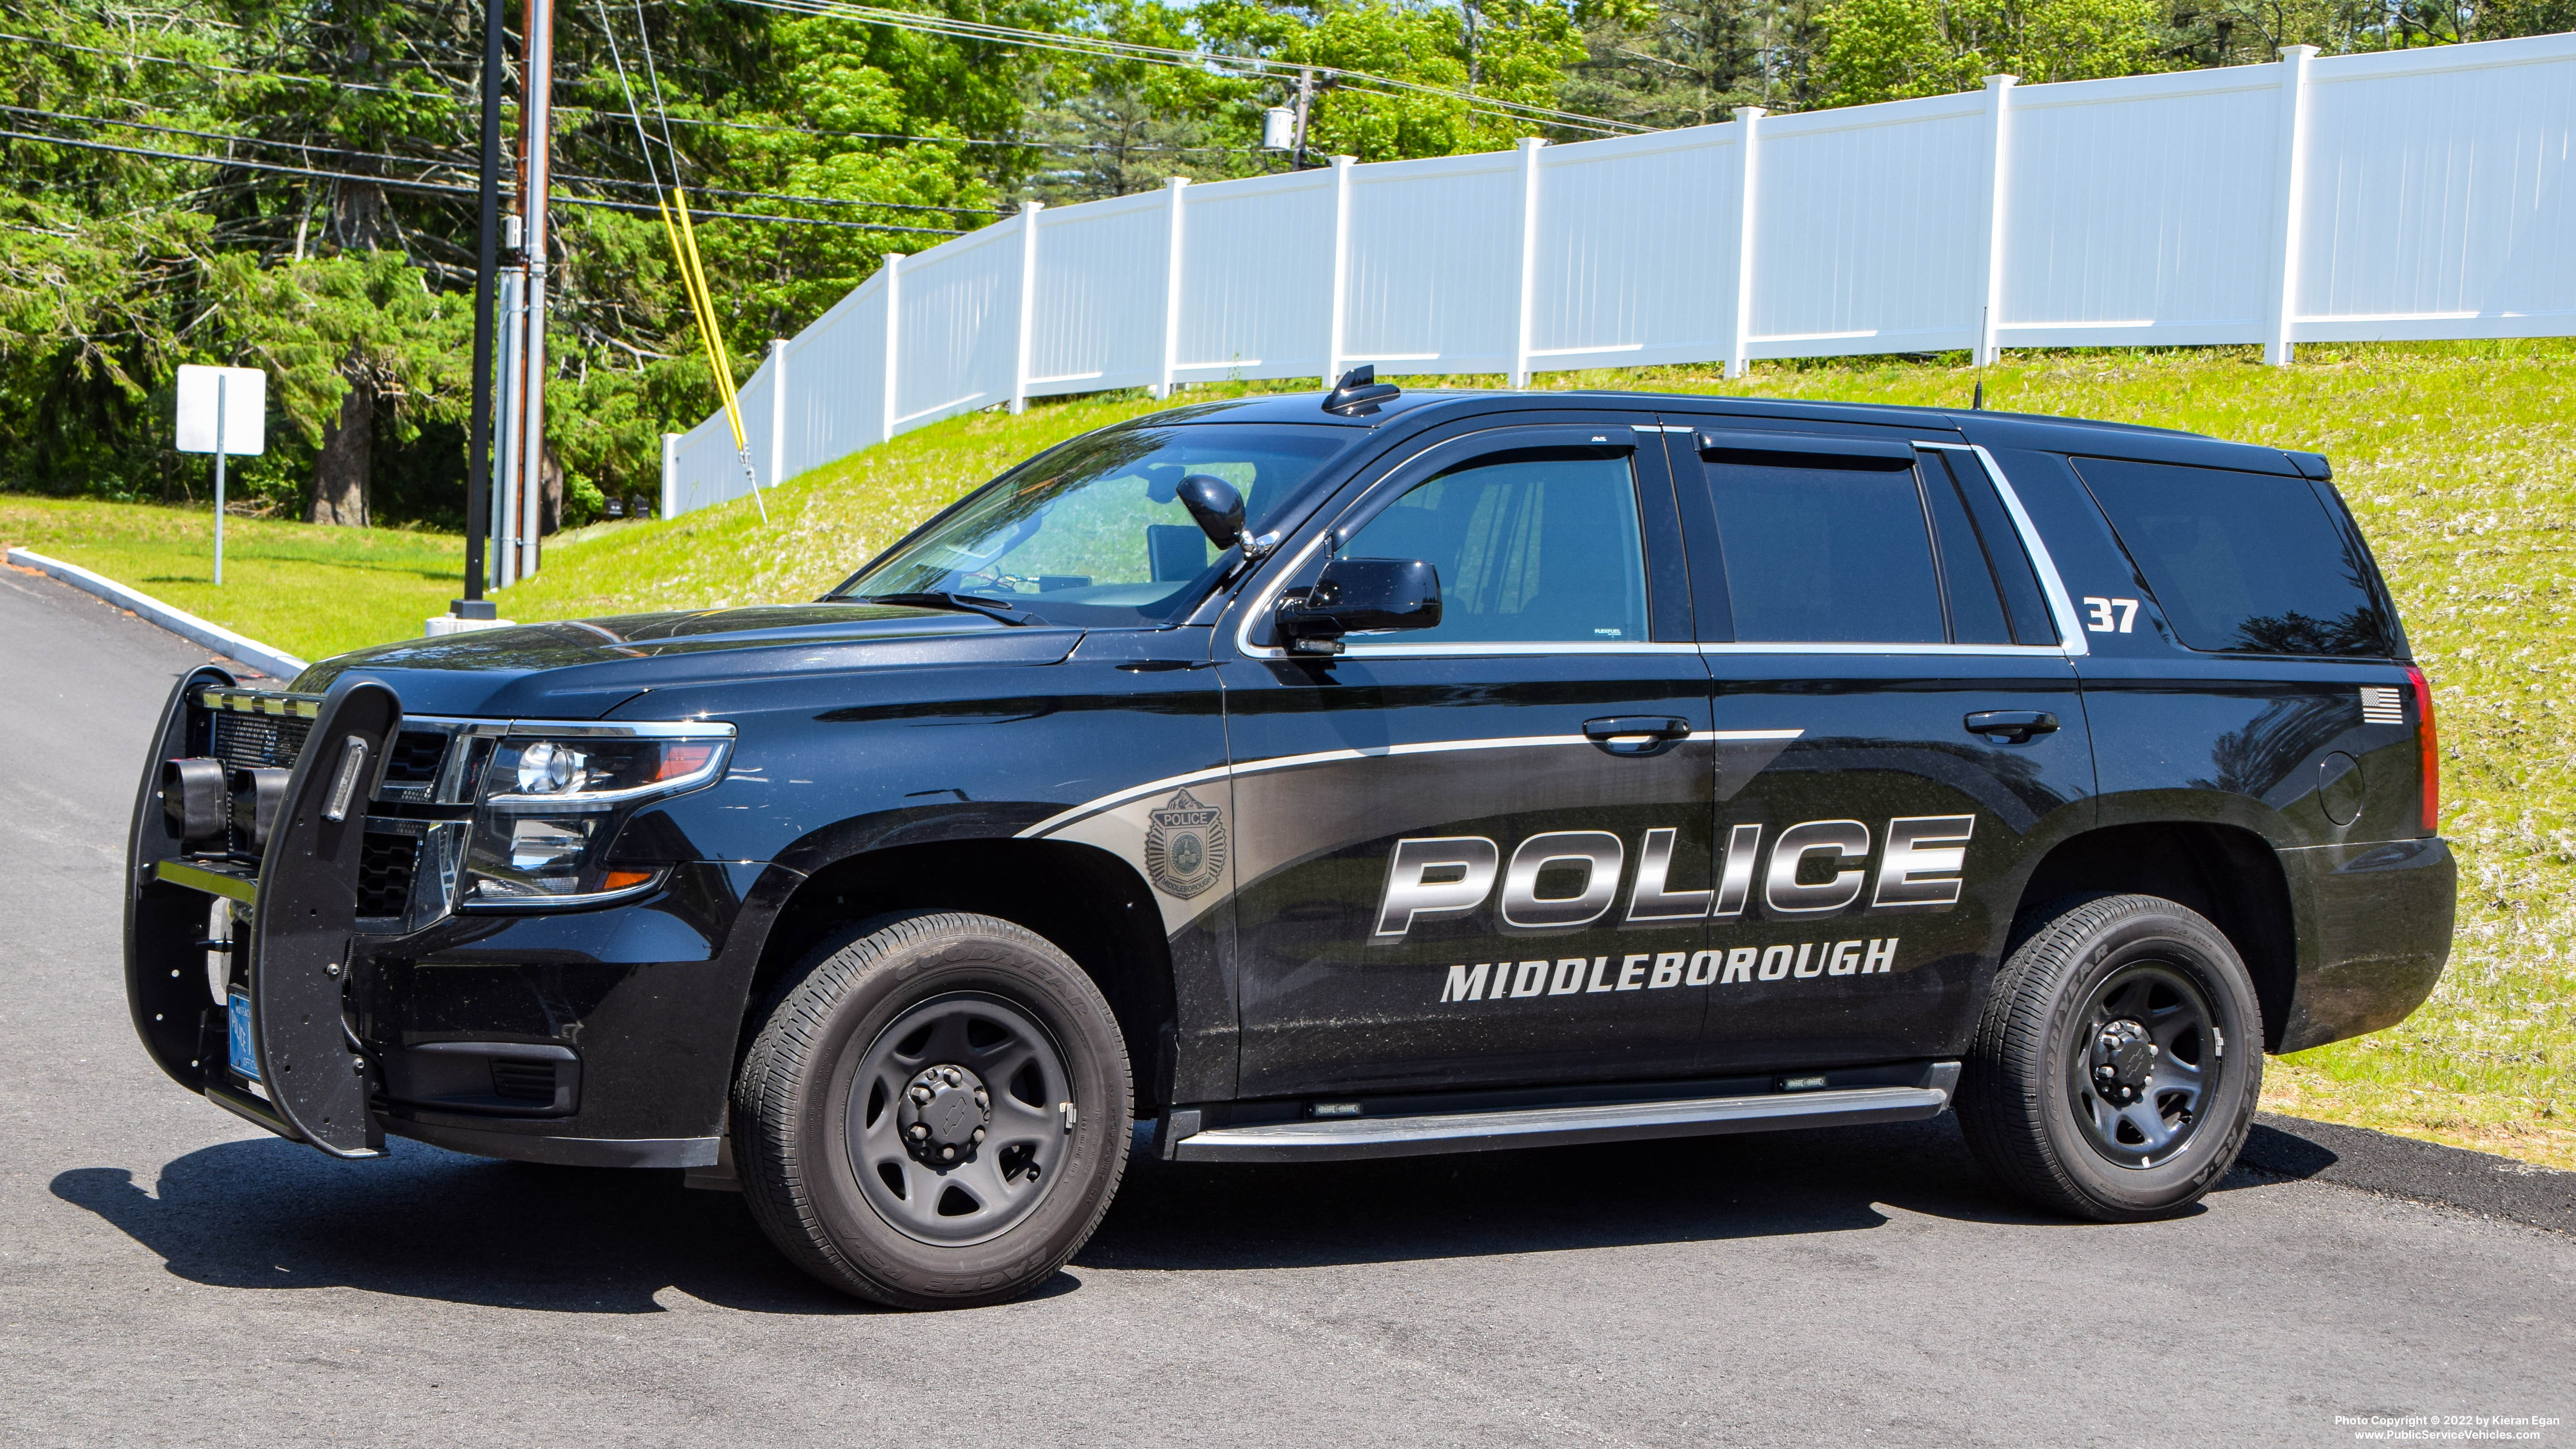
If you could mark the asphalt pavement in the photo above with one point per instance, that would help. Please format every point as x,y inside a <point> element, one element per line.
<point>169,1274</point>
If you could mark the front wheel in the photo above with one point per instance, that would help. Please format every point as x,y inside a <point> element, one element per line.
<point>2116,1069</point>
<point>935,1114</point>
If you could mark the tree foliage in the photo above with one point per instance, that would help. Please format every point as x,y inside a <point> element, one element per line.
<point>346,266</point>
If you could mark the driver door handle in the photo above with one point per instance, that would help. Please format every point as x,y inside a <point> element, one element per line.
<point>2016,725</point>
<point>1636,729</point>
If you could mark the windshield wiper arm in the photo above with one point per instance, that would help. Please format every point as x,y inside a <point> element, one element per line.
<point>964,603</point>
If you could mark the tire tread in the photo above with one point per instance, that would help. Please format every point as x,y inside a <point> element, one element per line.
<point>769,1157</point>
<point>2002,1086</point>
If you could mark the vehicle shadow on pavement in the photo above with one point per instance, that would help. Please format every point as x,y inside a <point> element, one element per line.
<point>1180,1216</point>
<point>269,1215</point>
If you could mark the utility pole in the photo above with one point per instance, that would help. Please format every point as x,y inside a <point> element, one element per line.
<point>536,120</point>
<point>478,451</point>
<point>1305,98</point>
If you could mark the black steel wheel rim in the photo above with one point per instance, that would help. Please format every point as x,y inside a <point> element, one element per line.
<point>2141,1062</point>
<point>959,1119</point>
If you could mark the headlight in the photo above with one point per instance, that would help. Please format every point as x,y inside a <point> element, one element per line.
<point>554,798</point>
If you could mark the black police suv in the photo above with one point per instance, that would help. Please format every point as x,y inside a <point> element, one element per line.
<point>1284,780</point>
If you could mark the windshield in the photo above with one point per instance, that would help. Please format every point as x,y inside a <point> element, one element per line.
<point>1091,533</point>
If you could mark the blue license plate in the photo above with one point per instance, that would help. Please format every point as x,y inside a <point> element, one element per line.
<point>245,1059</point>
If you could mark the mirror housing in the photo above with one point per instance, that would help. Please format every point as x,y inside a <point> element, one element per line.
<point>1216,507</point>
<point>1359,595</point>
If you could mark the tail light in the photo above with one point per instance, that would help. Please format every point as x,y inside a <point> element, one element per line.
<point>2428,743</point>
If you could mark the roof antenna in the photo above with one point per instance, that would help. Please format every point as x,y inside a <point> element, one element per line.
<point>1978,403</point>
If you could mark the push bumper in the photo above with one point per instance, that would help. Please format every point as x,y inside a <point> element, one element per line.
<point>311,1082</point>
<point>573,1037</point>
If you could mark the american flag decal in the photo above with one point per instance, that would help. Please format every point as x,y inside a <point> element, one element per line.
<point>2382,704</point>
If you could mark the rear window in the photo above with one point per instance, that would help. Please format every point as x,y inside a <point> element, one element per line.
<point>2242,562</point>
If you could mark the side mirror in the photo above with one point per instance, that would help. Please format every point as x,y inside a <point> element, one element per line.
<point>1213,502</point>
<point>1356,595</point>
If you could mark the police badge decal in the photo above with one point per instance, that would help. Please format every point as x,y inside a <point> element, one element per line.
<point>1185,849</point>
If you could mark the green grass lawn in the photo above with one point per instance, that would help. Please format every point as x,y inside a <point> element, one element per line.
<point>309,589</point>
<point>2460,460</point>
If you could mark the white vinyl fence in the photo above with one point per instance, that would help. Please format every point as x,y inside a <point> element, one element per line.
<point>2410,195</point>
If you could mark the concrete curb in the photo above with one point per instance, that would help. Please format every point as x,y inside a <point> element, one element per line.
<point>178,621</point>
<point>2356,1157</point>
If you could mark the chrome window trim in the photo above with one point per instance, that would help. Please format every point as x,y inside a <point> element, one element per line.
<point>1990,651</point>
<point>2069,629</point>
<point>1364,650</point>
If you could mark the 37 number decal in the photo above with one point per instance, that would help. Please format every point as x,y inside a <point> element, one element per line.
<point>2101,610</point>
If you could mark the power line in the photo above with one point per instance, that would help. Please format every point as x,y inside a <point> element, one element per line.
<point>1095,46</point>
<point>440,188</point>
<point>1102,47</point>
<point>275,144</point>
<point>291,78</point>
<point>308,80</point>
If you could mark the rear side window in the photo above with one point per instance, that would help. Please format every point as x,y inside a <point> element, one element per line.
<point>2242,562</point>
<point>1859,547</point>
<point>1820,551</point>
<point>1981,550</point>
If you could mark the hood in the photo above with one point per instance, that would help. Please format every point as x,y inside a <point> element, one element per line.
<point>582,669</point>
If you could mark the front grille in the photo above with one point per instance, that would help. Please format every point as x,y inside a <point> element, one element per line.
<point>385,867</point>
<point>253,741</point>
<point>523,1081</point>
<point>415,758</point>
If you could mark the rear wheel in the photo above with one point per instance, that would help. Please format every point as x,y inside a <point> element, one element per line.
<point>2116,1069</point>
<point>935,1113</point>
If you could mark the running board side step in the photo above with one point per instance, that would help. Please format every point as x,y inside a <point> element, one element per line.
<point>1336,1139</point>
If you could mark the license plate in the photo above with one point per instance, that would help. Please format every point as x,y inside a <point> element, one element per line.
<point>245,1059</point>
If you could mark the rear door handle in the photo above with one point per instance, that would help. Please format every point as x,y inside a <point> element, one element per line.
<point>2016,725</point>
<point>1636,731</point>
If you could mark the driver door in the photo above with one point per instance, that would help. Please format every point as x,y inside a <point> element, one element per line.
<point>1469,853</point>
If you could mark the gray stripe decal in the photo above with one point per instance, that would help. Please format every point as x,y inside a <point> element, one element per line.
<point>1093,807</point>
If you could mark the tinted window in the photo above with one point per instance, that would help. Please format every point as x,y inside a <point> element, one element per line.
<point>1976,600</point>
<point>1092,532</point>
<point>2023,598</point>
<point>1531,547</point>
<point>1817,553</point>
<point>2241,561</point>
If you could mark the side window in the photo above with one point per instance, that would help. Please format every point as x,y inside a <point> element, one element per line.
<point>1532,547</point>
<point>1826,550</point>
<point>1967,575</point>
<point>2241,561</point>
<point>1995,596</point>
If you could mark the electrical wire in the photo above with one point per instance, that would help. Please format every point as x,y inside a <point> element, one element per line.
<point>1103,47</point>
<point>1095,46</point>
<point>308,80</point>
<point>398,183</point>
<point>305,146</point>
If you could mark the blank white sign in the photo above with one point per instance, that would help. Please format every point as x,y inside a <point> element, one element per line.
<point>245,391</point>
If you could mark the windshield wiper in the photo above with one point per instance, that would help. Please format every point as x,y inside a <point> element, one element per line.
<point>964,603</point>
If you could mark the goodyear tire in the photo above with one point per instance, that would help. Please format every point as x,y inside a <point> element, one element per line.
<point>2115,1071</point>
<point>935,1113</point>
